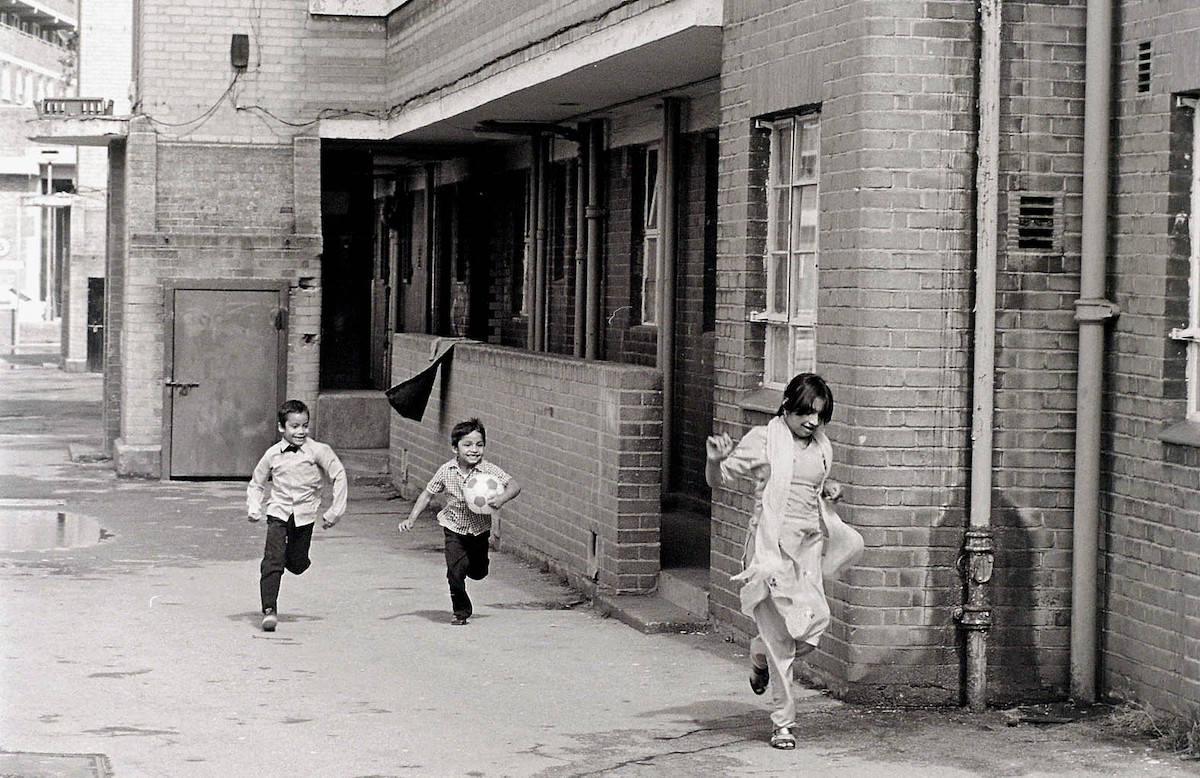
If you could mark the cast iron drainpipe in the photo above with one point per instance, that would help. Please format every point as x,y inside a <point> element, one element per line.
<point>975,614</point>
<point>580,239</point>
<point>1092,310</point>
<point>666,260</point>
<point>595,214</point>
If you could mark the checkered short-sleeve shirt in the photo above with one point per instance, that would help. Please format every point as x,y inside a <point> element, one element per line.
<point>456,516</point>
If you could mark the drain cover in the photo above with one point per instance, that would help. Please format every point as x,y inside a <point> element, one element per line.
<point>42,530</point>
<point>22,764</point>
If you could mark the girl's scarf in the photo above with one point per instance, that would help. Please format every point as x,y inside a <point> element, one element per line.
<point>768,561</point>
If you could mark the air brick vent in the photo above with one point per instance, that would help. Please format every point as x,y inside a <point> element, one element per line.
<point>1143,67</point>
<point>1035,223</point>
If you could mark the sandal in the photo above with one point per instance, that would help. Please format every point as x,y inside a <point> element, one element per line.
<point>759,678</point>
<point>783,739</point>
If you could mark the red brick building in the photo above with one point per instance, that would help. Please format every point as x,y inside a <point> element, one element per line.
<point>912,198</point>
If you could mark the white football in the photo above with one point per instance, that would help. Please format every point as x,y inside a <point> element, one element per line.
<point>478,489</point>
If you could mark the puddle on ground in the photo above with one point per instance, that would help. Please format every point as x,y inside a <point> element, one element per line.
<point>41,530</point>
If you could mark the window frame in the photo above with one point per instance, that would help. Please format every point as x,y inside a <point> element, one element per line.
<point>787,324</point>
<point>1190,333</point>
<point>651,193</point>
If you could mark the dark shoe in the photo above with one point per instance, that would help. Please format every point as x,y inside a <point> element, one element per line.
<point>459,621</point>
<point>269,620</point>
<point>759,678</point>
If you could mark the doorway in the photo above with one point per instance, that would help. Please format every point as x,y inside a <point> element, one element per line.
<point>225,372</point>
<point>95,325</point>
<point>348,286</point>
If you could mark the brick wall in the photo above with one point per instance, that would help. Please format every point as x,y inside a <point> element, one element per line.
<point>1036,349</point>
<point>254,193</point>
<point>1151,498</point>
<point>893,312</point>
<point>183,223</point>
<point>105,51</point>
<point>301,67</point>
<point>582,438</point>
<point>693,340</point>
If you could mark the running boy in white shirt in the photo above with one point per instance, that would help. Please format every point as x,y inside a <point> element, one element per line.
<point>295,467</point>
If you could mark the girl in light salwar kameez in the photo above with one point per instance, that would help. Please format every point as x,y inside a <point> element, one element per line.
<point>788,461</point>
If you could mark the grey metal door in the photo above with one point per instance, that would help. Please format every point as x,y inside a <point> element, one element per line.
<point>225,375</point>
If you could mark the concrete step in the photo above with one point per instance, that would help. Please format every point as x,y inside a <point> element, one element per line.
<point>353,418</point>
<point>686,588</point>
<point>649,613</point>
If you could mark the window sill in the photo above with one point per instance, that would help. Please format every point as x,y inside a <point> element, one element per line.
<point>761,400</point>
<point>1183,433</point>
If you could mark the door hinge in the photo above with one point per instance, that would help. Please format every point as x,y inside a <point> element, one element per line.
<point>281,319</point>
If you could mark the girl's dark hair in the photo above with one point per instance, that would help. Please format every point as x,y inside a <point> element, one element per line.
<point>465,428</point>
<point>802,392</point>
<point>289,407</point>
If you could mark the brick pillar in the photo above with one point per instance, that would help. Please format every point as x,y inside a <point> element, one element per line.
<point>139,448</point>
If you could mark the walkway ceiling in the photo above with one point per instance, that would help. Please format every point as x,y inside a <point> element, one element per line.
<point>669,65</point>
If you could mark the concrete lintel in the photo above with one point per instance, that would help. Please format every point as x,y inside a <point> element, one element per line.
<point>90,131</point>
<point>353,7</point>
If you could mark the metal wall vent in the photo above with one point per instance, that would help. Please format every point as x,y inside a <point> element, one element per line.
<point>1035,222</point>
<point>1143,67</point>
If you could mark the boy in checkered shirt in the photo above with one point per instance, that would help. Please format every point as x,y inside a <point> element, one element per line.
<point>466,531</point>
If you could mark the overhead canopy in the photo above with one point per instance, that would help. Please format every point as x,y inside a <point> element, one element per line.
<point>89,131</point>
<point>666,48</point>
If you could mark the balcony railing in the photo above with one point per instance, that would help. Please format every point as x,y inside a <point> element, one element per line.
<point>70,107</point>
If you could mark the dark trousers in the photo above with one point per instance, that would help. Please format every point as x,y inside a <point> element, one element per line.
<point>466,557</point>
<point>286,549</point>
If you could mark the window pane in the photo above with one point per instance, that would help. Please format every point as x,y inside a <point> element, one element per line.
<point>781,154</point>
<point>808,146</point>
<point>777,284</point>
<point>777,355</point>
<point>780,217</point>
<point>804,219</point>
<point>804,288</point>
<point>804,350</point>
<point>650,219</point>
<point>649,276</point>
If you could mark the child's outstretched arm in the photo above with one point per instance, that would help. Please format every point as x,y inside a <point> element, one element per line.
<point>420,505</point>
<point>511,490</point>
<point>257,487</point>
<point>336,473</point>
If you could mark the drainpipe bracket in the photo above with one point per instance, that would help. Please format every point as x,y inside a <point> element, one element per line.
<point>1094,309</point>
<point>973,617</point>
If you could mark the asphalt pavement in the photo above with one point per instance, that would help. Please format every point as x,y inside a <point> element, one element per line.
<point>130,647</point>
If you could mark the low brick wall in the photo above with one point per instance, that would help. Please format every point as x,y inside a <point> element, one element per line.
<point>583,438</point>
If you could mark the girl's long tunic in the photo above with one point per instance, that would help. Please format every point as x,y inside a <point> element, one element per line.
<point>785,537</point>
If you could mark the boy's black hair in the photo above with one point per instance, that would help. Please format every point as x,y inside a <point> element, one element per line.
<point>289,407</point>
<point>465,428</point>
<point>802,392</point>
